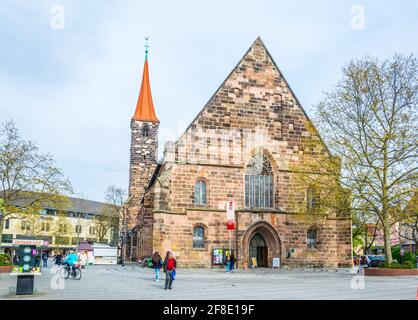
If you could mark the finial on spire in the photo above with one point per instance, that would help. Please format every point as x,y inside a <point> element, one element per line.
<point>145,107</point>
<point>146,48</point>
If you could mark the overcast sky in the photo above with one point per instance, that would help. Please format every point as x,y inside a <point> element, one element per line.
<point>72,84</point>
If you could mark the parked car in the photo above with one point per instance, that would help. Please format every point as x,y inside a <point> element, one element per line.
<point>375,261</point>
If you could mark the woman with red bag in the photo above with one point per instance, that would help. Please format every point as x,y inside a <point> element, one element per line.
<point>169,267</point>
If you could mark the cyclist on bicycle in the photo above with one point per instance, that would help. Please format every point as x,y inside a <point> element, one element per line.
<point>71,259</point>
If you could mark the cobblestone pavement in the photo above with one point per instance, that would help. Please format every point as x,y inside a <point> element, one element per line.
<point>132,282</point>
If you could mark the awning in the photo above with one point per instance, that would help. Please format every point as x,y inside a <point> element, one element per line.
<point>84,246</point>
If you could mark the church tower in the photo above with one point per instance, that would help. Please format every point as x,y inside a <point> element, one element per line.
<point>144,145</point>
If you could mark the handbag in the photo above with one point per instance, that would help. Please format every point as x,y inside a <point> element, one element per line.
<point>173,274</point>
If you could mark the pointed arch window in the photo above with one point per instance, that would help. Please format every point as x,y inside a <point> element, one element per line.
<point>259,182</point>
<point>312,199</point>
<point>198,237</point>
<point>200,192</point>
<point>311,238</point>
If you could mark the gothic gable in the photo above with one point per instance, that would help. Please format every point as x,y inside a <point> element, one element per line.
<point>254,103</point>
<point>254,92</point>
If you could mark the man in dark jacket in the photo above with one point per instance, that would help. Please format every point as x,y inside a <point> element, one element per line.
<point>15,260</point>
<point>232,264</point>
<point>45,256</point>
<point>58,259</point>
<point>169,267</point>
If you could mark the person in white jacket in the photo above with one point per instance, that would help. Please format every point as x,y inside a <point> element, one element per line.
<point>83,260</point>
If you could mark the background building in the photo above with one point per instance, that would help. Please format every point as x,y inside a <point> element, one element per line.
<point>409,227</point>
<point>82,220</point>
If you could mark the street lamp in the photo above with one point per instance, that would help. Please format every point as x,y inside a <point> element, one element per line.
<point>122,234</point>
<point>123,231</point>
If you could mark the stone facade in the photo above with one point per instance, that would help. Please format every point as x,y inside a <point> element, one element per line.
<point>253,112</point>
<point>143,160</point>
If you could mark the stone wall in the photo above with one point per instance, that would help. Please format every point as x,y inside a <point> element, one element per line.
<point>174,232</point>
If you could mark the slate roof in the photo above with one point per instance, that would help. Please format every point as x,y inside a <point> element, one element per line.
<point>75,205</point>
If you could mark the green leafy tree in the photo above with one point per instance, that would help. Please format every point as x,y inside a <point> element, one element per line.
<point>370,122</point>
<point>409,228</point>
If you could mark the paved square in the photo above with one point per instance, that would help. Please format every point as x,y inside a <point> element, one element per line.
<point>132,282</point>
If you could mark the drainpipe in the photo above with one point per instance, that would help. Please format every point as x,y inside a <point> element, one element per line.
<point>236,240</point>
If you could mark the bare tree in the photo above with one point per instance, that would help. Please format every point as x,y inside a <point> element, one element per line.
<point>115,196</point>
<point>29,180</point>
<point>366,228</point>
<point>370,122</point>
<point>109,218</point>
<point>105,221</point>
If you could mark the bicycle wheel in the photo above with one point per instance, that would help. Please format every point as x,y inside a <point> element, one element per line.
<point>77,274</point>
<point>64,273</point>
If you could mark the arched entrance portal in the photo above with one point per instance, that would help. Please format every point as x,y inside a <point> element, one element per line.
<point>262,242</point>
<point>259,250</point>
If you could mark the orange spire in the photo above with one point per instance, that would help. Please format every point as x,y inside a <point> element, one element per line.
<point>145,107</point>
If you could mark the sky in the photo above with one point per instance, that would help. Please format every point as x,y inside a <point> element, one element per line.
<point>70,71</point>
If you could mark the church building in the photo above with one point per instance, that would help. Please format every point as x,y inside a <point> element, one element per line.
<point>242,149</point>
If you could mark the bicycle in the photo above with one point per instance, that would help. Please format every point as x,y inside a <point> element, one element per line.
<point>145,262</point>
<point>68,270</point>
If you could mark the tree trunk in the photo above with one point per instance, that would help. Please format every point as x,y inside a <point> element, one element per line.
<point>365,242</point>
<point>387,243</point>
<point>1,235</point>
<point>78,235</point>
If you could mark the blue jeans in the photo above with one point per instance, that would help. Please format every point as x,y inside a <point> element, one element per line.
<point>157,271</point>
<point>228,266</point>
<point>168,279</point>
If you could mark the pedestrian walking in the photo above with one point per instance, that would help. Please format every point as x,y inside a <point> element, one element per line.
<point>15,260</point>
<point>45,256</point>
<point>232,264</point>
<point>227,262</point>
<point>169,267</point>
<point>362,263</point>
<point>58,259</point>
<point>157,263</point>
<point>37,260</point>
<point>83,260</point>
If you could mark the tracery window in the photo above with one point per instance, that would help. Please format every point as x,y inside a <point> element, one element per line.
<point>259,182</point>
